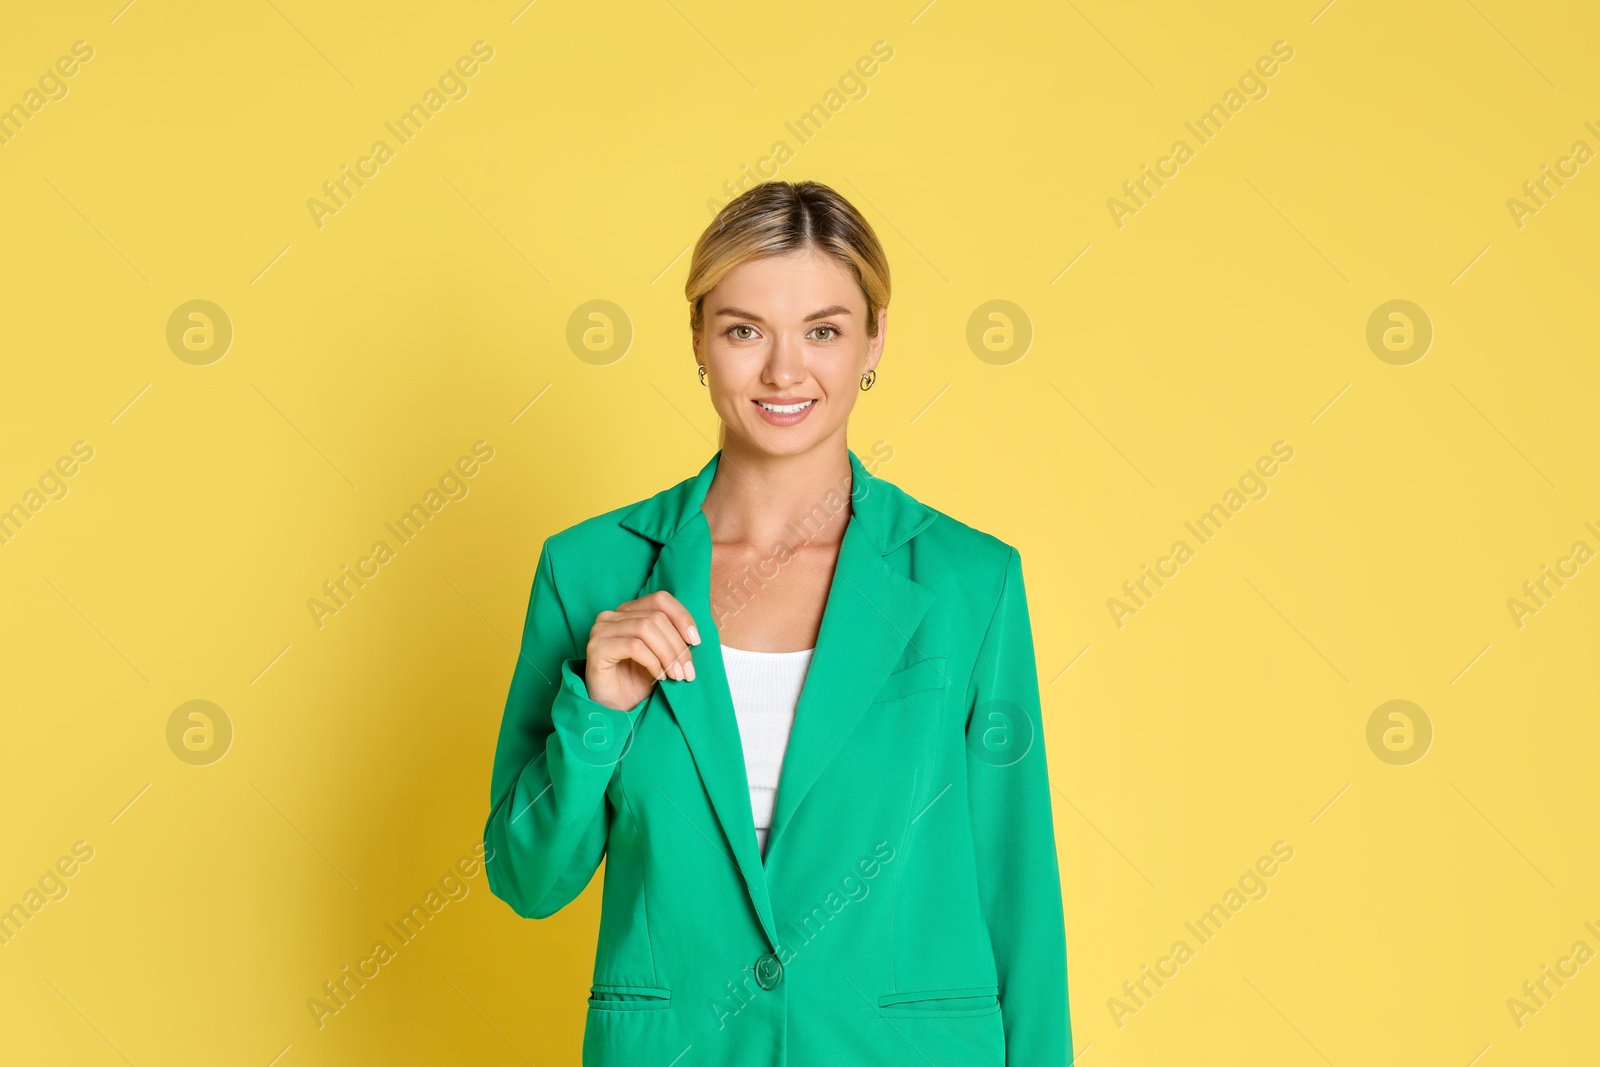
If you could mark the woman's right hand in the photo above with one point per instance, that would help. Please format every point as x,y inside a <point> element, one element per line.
<point>637,645</point>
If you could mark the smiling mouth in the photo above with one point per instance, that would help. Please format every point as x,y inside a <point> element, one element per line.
<point>786,409</point>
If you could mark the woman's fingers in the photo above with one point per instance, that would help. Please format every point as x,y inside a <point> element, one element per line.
<point>676,624</point>
<point>653,633</point>
<point>665,602</point>
<point>618,641</point>
<point>664,637</point>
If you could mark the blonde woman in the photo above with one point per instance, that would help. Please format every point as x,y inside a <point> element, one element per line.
<point>796,711</point>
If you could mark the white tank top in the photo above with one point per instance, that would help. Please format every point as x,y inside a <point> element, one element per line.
<point>765,687</point>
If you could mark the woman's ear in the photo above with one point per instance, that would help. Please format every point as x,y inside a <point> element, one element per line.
<point>875,346</point>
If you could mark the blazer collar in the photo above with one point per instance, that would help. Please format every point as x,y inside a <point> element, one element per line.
<point>871,613</point>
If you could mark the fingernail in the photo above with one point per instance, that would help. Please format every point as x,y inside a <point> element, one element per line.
<point>676,671</point>
<point>689,664</point>
<point>694,635</point>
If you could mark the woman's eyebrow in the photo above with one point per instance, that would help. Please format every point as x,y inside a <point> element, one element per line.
<point>836,309</point>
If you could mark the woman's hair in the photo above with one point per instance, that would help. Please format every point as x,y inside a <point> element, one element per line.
<point>777,218</point>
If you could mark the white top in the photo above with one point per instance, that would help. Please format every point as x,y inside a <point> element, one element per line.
<point>765,687</point>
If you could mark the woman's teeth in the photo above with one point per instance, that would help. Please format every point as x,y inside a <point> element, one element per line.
<point>786,409</point>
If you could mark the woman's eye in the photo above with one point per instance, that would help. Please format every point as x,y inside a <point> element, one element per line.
<point>746,332</point>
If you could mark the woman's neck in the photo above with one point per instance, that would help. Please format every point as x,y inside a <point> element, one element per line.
<point>759,499</point>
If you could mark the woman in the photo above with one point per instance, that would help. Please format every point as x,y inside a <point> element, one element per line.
<point>894,899</point>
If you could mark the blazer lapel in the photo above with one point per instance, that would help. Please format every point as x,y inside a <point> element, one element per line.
<point>703,708</point>
<point>867,622</point>
<point>871,612</point>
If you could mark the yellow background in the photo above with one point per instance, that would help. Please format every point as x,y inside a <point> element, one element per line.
<point>432,310</point>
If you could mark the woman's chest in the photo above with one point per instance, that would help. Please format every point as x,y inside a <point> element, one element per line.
<point>769,603</point>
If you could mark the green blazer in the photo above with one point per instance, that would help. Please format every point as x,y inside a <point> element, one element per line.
<point>908,908</point>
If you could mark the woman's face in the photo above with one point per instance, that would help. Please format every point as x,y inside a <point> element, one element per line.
<point>787,330</point>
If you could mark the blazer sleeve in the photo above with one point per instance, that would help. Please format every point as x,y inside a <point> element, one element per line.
<point>556,753</point>
<point>1013,832</point>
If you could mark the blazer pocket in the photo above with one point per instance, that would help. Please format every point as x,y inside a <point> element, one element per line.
<point>628,998</point>
<point>960,1003</point>
<point>919,677</point>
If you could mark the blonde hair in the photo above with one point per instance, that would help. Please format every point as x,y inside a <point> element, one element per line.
<point>777,218</point>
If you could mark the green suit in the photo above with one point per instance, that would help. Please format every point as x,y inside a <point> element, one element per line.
<point>908,909</point>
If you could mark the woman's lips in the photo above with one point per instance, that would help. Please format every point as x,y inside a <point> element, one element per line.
<point>786,417</point>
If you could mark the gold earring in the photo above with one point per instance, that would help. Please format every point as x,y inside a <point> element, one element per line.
<point>867,379</point>
<point>703,374</point>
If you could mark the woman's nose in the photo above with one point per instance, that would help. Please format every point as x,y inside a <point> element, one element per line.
<point>786,363</point>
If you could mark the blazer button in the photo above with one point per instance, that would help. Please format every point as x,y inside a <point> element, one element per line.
<point>769,972</point>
